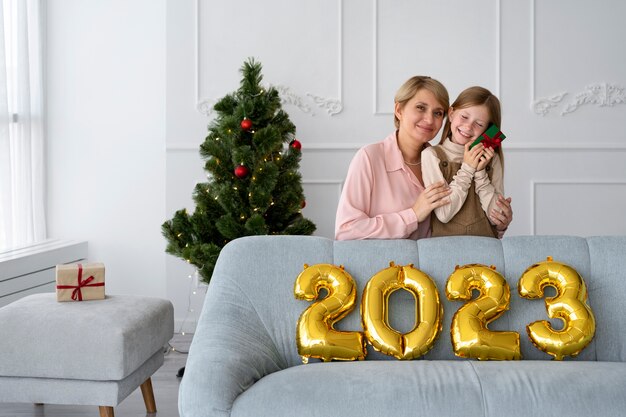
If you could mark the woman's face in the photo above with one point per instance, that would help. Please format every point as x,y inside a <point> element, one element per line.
<point>421,117</point>
<point>468,123</point>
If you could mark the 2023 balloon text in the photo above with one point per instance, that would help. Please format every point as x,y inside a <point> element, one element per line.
<point>317,338</point>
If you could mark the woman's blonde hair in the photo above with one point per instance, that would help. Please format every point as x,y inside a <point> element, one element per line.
<point>411,86</point>
<point>476,96</point>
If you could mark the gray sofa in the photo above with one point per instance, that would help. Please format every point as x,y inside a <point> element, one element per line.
<point>243,360</point>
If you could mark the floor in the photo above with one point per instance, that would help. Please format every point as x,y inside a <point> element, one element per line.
<point>164,383</point>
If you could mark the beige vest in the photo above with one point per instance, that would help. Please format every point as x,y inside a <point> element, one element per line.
<point>471,219</point>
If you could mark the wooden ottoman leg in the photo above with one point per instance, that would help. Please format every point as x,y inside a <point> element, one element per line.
<point>106,411</point>
<point>148,396</point>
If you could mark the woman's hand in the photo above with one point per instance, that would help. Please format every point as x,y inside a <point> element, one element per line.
<point>433,196</point>
<point>484,159</point>
<point>503,217</point>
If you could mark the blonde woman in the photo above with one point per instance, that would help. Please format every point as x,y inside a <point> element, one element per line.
<point>383,195</point>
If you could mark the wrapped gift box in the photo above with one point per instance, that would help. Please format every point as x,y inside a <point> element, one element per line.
<point>492,138</point>
<point>79,282</point>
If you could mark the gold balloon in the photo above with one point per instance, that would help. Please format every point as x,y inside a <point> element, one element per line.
<point>569,305</point>
<point>315,335</point>
<point>470,336</point>
<point>428,315</point>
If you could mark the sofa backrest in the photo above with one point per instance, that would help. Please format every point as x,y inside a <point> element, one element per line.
<point>259,273</point>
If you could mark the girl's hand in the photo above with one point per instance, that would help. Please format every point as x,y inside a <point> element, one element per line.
<point>433,196</point>
<point>486,156</point>
<point>472,156</point>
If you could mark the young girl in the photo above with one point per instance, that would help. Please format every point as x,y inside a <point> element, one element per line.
<point>475,175</point>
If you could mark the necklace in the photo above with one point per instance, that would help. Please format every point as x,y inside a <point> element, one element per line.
<point>412,164</point>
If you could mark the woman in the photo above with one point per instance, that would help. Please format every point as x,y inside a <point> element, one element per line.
<point>383,196</point>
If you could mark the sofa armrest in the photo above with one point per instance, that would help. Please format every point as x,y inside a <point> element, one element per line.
<point>230,351</point>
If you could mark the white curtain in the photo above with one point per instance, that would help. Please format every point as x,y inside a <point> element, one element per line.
<point>22,180</point>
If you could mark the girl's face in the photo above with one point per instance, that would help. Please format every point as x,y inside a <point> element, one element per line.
<point>421,117</point>
<point>468,123</point>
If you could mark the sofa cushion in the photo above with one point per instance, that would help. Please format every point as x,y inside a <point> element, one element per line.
<point>438,388</point>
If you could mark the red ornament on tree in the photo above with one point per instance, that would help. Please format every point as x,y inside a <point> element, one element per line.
<point>241,171</point>
<point>246,124</point>
<point>296,144</point>
<point>303,204</point>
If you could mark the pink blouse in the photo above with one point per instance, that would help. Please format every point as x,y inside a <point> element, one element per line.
<point>378,195</point>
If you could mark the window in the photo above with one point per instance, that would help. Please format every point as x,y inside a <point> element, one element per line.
<point>22,180</point>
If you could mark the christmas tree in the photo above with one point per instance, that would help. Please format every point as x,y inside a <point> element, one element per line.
<point>254,187</point>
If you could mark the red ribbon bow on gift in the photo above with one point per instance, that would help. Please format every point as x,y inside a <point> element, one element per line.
<point>492,142</point>
<point>77,293</point>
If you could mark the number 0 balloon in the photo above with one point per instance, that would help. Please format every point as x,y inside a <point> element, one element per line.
<point>375,307</point>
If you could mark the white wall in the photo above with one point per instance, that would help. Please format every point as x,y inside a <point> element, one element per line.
<point>564,169</point>
<point>106,135</point>
<point>111,97</point>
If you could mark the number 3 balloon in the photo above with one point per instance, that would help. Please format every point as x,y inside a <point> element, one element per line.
<point>569,305</point>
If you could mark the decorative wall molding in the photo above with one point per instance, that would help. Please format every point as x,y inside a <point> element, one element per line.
<point>336,184</point>
<point>566,147</point>
<point>498,33</point>
<point>517,147</point>
<point>332,105</point>
<point>533,194</point>
<point>601,94</point>
<point>543,106</point>
<point>287,96</point>
<point>322,182</point>
<point>312,147</point>
<point>205,106</point>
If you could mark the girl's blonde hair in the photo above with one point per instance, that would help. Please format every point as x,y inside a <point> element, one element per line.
<point>476,96</point>
<point>411,86</point>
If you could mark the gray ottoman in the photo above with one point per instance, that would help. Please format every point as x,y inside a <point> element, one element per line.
<point>91,352</point>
